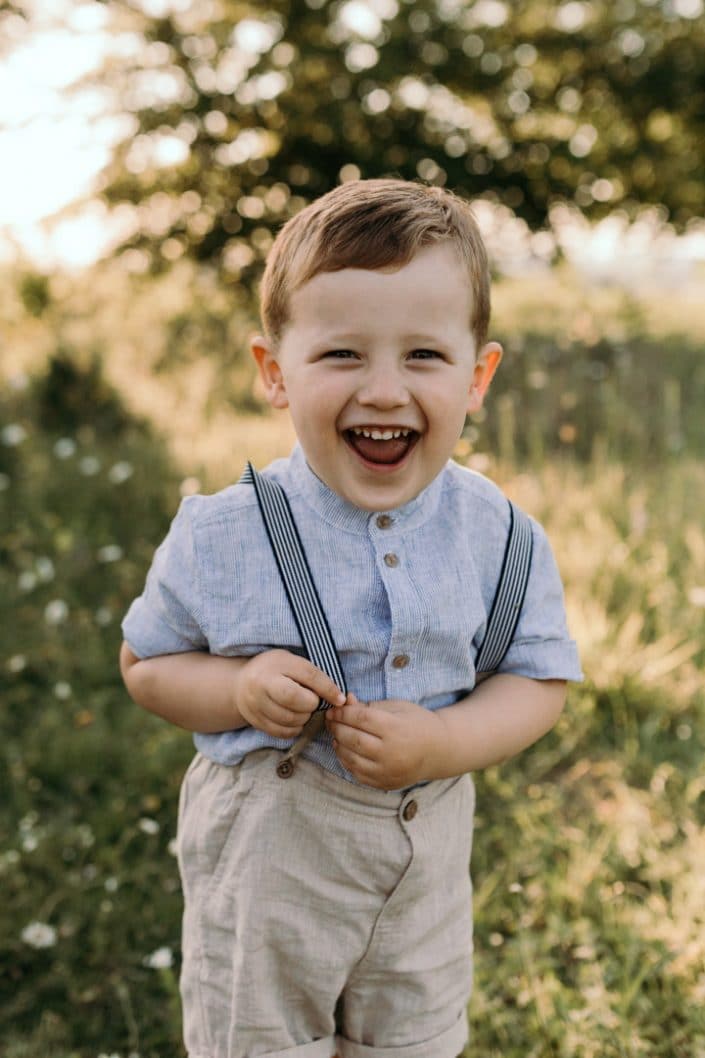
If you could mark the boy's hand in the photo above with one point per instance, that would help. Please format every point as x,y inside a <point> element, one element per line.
<point>389,744</point>
<point>277,691</point>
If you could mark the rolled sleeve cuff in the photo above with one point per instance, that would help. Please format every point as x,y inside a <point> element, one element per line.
<point>148,635</point>
<point>546,659</point>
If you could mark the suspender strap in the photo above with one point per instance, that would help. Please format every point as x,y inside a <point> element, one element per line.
<point>296,577</point>
<point>509,596</point>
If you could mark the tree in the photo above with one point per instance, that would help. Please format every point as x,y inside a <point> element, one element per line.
<point>243,111</point>
<point>13,25</point>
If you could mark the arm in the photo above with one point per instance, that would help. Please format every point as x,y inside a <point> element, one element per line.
<point>274,691</point>
<point>393,744</point>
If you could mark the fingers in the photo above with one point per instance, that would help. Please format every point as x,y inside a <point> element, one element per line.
<point>356,715</point>
<point>350,741</point>
<point>365,771</point>
<point>280,722</point>
<point>355,741</point>
<point>307,675</point>
<point>291,696</point>
<point>278,691</point>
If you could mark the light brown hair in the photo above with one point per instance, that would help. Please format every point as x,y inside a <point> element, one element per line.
<point>372,224</point>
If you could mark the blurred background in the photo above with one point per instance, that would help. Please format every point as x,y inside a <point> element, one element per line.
<point>150,150</point>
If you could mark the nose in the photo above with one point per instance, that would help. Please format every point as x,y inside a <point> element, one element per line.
<point>383,387</point>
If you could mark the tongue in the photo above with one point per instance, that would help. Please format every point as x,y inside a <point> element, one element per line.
<point>380,451</point>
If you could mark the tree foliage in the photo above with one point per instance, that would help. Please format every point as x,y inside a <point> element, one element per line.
<point>243,111</point>
<point>13,24</point>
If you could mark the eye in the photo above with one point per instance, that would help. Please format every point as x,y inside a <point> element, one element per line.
<point>425,354</point>
<point>339,354</point>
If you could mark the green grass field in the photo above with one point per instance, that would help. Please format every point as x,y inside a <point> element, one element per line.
<point>590,848</point>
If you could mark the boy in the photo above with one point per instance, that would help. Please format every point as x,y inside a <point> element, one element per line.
<point>331,913</point>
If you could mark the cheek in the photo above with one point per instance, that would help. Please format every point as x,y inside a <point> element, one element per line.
<point>448,404</point>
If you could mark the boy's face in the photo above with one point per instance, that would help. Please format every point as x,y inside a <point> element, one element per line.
<point>379,369</point>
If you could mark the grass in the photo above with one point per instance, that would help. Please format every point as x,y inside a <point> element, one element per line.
<point>589,850</point>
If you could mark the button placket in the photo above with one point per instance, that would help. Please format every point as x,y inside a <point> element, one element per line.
<point>397,659</point>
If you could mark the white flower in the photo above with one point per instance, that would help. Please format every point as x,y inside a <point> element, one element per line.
<point>17,663</point>
<point>110,553</point>
<point>688,8</point>
<point>173,847</point>
<point>161,959</point>
<point>39,935</point>
<point>9,859</point>
<point>103,616</point>
<point>120,472</point>
<point>111,884</point>
<point>148,826</point>
<point>55,612</point>
<point>27,581</point>
<point>62,690</point>
<point>45,568</point>
<point>85,836</point>
<point>13,434</point>
<point>64,448</point>
<point>89,466</point>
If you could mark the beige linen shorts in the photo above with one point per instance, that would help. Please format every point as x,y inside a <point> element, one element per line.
<point>323,917</point>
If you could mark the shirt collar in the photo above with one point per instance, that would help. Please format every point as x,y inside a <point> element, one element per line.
<point>301,480</point>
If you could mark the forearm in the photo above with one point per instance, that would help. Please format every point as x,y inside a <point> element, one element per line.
<point>500,718</point>
<point>195,691</point>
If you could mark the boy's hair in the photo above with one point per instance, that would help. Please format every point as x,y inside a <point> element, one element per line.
<point>372,224</point>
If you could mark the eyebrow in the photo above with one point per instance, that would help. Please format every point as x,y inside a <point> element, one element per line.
<point>415,338</point>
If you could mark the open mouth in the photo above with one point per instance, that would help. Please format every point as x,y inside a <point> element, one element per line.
<point>382,446</point>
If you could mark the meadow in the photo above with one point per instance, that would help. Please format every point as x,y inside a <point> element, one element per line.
<point>590,848</point>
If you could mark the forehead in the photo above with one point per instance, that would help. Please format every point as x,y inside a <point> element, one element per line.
<point>435,284</point>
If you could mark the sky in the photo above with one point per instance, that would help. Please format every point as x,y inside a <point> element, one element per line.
<point>51,146</point>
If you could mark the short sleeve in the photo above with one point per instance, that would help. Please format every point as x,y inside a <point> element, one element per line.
<point>542,647</point>
<point>167,618</point>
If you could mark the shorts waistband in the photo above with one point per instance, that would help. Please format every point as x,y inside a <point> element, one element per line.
<point>307,773</point>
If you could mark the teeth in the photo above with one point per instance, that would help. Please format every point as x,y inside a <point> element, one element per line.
<point>380,435</point>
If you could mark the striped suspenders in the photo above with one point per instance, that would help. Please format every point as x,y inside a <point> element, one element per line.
<point>509,594</point>
<point>310,617</point>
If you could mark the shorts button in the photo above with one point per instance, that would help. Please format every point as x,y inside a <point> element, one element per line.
<point>391,560</point>
<point>400,661</point>
<point>383,521</point>
<point>409,811</point>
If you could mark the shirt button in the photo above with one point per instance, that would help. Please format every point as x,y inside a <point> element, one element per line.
<point>391,560</point>
<point>400,661</point>
<point>383,521</point>
<point>409,810</point>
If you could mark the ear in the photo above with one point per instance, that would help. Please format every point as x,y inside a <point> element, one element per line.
<point>269,372</point>
<point>486,363</point>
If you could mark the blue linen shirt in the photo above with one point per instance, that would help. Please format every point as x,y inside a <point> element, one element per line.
<point>407,596</point>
